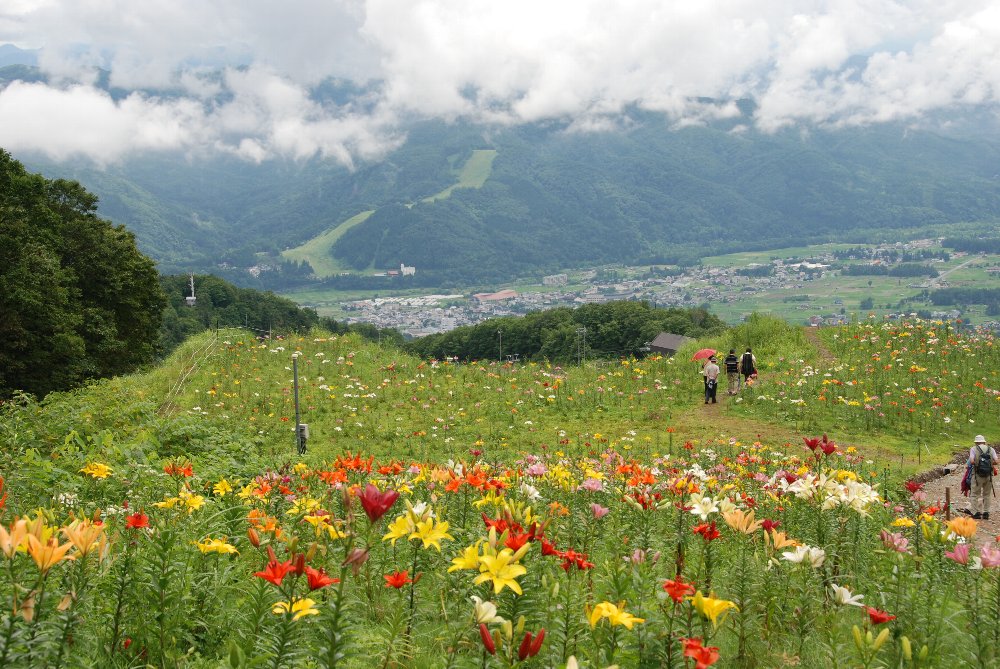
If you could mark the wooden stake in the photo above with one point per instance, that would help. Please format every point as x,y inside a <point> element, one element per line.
<point>947,503</point>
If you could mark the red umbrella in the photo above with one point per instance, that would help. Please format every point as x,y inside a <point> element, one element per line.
<point>704,353</point>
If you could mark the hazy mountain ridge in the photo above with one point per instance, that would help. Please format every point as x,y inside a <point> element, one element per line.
<point>555,198</point>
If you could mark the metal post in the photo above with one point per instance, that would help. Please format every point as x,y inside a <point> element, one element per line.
<point>299,446</point>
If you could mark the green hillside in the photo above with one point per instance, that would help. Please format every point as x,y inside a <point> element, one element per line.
<point>473,174</point>
<point>644,194</point>
<point>597,502</point>
<point>227,387</point>
<point>318,251</point>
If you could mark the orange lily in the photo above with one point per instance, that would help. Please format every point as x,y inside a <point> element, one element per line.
<point>47,555</point>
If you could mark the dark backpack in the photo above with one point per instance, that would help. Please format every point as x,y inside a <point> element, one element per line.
<point>746,364</point>
<point>984,463</point>
<point>732,364</point>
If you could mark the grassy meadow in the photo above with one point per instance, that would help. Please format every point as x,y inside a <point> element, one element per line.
<point>486,515</point>
<point>318,250</point>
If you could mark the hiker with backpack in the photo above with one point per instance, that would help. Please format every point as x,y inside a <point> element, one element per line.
<point>982,462</point>
<point>732,372</point>
<point>748,366</point>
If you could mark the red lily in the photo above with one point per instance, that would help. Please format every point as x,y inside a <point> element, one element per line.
<point>704,656</point>
<point>878,617</point>
<point>708,531</point>
<point>319,579</point>
<point>136,521</point>
<point>275,571</point>
<point>767,524</point>
<point>678,589</point>
<point>397,579</point>
<point>376,503</point>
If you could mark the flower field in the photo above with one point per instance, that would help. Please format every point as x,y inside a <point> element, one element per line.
<point>480,515</point>
<point>921,380</point>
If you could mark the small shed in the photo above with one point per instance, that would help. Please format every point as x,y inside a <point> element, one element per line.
<point>667,344</point>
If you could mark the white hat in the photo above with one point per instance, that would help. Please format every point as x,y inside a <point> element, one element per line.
<point>980,439</point>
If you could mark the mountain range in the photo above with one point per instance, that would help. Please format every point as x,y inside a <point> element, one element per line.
<point>466,203</point>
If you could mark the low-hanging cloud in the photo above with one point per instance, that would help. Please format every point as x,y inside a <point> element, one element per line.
<point>236,75</point>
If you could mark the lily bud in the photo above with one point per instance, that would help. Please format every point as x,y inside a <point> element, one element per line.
<point>907,648</point>
<point>880,639</point>
<point>254,537</point>
<point>488,643</point>
<point>522,651</point>
<point>311,553</point>
<point>299,564</point>
<point>536,645</point>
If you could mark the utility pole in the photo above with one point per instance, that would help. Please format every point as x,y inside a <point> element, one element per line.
<point>500,332</point>
<point>300,429</point>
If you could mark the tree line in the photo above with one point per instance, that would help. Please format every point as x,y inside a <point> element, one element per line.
<point>906,269</point>
<point>78,300</point>
<point>608,330</point>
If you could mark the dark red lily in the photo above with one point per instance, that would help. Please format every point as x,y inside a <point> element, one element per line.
<point>376,503</point>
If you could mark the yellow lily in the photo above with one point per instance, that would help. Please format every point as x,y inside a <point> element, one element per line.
<point>469,559</point>
<point>222,488</point>
<point>97,470</point>
<point>209,545</point>
<point>502,569</point>
<point>400,528</point>
<point>299,607</point>
<point>710,607</point>
<point>431,533</point>
<point>616,615</point>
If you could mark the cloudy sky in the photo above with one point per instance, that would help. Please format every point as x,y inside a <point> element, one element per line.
<point>239,72</point>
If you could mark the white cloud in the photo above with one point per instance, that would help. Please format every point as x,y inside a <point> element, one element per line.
<point>584,61</point>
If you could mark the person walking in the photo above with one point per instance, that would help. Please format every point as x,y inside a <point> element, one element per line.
<point>711,380</point>
<point>748,365</point>
<point>732,364</point>
<point>983,461</point>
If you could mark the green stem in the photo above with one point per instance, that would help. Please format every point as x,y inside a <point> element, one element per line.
<point>281,646</point>
<point>12,620</point>
<point>78,586</point>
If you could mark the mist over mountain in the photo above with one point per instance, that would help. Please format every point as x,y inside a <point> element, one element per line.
<point>640,190</point>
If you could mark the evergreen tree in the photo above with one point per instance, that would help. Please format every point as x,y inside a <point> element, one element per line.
<point>78,300</point>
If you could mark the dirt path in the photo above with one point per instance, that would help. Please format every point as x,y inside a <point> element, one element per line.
<point>712,422</point>
<point>812,334</point>
<point>936,487</point>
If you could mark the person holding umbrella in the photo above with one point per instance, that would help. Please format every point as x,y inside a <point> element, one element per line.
<point>703,354</point>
